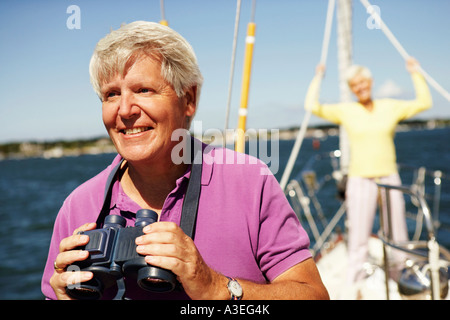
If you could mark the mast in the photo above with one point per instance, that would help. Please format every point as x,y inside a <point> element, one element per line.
<point>249,44</point>
<point>344,45</point>
<point>163,21</point>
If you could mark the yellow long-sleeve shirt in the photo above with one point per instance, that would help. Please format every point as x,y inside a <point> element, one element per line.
<point>371,133</point>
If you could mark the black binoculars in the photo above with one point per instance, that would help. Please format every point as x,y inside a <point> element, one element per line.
<point>113,256</point>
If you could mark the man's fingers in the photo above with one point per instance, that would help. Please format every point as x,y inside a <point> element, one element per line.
<point>73,242</point>
<point>68,257</point>
<point>85,227</point>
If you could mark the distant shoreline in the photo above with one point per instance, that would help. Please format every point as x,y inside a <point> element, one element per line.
<point>99,145</point>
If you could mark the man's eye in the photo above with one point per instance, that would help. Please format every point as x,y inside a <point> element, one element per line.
<point>110,95</point>
<point>145,90</point>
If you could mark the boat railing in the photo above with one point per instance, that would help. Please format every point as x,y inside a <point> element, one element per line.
<point>428,250</point>
<point>304,190</point>
<point>303,194</point>
<point>419,177</point>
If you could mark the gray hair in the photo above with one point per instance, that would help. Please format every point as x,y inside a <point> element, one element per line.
<point>356,70</point>
<point>115,51</point>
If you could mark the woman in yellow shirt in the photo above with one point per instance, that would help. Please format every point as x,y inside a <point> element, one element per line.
<point>370,126</point>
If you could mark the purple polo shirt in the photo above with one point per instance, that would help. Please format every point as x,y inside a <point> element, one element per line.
<point>245,226</point>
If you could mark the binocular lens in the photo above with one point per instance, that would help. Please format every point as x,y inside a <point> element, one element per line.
<point>155,285</point>
<point>90,290</point>
<point>156,279</point>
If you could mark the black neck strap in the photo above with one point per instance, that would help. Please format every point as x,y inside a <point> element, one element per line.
<point>190,203</point>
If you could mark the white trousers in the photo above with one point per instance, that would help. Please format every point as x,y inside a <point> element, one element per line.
<point>361,199</point>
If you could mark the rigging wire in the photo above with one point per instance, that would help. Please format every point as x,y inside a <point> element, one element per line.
<point>233,59</point>
<point>252,17</point>
<point>163,21</point>
<point>400,48</point>
<point>304,125</point>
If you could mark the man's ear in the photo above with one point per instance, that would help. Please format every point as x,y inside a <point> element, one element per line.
<point>191,101</point>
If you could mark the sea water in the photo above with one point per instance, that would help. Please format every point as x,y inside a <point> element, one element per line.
<point>33,190</point>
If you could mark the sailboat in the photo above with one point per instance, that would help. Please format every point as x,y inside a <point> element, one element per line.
<point>424,272</point>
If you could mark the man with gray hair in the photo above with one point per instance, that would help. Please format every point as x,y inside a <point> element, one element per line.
<point>247,241</point>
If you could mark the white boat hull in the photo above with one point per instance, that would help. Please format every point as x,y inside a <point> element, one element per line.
<point>332,265</point>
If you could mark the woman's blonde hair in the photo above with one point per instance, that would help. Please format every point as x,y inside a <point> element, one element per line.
<point>118,50</point>
<point>355,70</point>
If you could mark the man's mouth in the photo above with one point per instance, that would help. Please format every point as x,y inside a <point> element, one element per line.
<point>132,131</point>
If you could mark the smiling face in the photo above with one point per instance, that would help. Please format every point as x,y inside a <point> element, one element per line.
<point>362,88</point>
<point>141,110</point>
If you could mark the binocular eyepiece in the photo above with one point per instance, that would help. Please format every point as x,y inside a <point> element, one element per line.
<point>113,256</point>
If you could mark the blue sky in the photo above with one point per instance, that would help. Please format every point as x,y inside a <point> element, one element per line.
<point>44,79</point>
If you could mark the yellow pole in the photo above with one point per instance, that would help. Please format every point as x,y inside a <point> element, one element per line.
<point>250,42</point>
<point>164,23</point>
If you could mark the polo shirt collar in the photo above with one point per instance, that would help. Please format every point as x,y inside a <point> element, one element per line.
<point>121,201</point>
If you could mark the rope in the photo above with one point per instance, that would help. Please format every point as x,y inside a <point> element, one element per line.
<point>305,122</point>
<point>401,50</point>
<point>327,33</point>
<point>233,59</point>
<point>344,54</point>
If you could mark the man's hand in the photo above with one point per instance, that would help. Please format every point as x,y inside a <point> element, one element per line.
<point>60,278</point>
<point>165,245</point>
